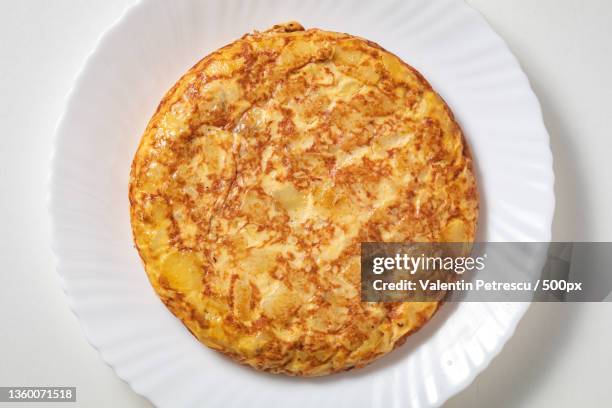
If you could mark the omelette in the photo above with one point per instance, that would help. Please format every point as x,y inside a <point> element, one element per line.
<point>261,172</point>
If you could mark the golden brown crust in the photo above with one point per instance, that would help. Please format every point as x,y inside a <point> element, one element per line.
<point>263,169</point>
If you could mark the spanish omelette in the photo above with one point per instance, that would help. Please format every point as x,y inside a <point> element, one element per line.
<point>262,171</point>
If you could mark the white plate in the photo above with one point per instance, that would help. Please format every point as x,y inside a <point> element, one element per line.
<point>144,53</point>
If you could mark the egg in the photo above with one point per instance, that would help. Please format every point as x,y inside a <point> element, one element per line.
<point>261,172</point>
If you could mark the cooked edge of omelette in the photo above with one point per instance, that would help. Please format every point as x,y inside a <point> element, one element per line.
<point>262,171</point>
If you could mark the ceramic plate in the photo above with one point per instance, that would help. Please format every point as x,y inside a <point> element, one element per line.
<point>134,64</point>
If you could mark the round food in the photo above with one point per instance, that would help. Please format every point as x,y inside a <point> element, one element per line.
<point>260,174</point>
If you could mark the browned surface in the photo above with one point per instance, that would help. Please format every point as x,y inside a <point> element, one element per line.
<point>263,169</point>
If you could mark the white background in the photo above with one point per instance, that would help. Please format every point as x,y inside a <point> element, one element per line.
<point>560,355</point>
